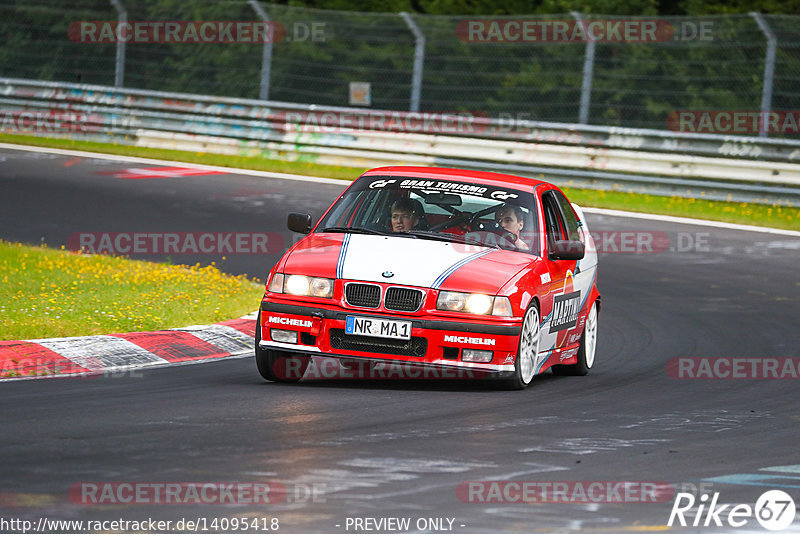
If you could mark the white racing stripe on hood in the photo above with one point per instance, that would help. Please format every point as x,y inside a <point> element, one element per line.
<point>414,262</point>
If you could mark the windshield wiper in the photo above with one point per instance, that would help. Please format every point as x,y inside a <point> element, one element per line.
<point>451,238</point>
<point>353,230</point>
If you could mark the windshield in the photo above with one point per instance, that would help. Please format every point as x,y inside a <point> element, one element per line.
<point>442,210</point>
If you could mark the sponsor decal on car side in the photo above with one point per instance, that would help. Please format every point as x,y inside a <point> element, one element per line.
<point>567,354</point>
<point>565,311</point>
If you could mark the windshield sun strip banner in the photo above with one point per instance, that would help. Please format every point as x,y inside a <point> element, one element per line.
<point>446,186</point>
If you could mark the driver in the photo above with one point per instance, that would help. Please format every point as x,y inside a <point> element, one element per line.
<point>406,214</point>
<point>509,217</point>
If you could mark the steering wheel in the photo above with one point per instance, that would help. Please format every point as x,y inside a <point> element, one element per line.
<point>496,228</point>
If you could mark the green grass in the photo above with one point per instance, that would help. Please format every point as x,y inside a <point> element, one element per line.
<point>774,216</point>
<point>303,167</point>
<point>56,293</point>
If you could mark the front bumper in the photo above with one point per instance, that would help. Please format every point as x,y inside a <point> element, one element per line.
<point>434,342</point>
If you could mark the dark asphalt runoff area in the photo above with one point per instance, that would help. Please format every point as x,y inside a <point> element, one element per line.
<point>353,453</point>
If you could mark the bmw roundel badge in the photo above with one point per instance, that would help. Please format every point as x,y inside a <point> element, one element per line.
<point>387,274</point>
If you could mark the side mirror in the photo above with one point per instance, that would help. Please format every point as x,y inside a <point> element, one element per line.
<point>568,250</point>
<point>299,222</point>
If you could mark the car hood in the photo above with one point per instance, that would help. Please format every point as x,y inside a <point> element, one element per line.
<point>405,261</point>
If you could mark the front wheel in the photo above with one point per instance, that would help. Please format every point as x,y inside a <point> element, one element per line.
<point>528,353</point>
<point>278,366</point>
<point>586,350</point>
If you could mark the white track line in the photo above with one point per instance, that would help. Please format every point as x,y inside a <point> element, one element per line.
<point>316,179</point>
<point>687,220</point>
<point>135,159</point>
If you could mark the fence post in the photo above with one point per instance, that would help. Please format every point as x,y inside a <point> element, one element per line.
<point>119,69</point>
<point>266,53</point>
<point>588,72</point>
<point>419,58</point>
<point>769,72</point>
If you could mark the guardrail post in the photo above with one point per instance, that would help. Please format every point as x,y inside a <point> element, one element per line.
<point>119,69</point>
<point>266,53</point>
<point>588,72</point>
<point>769,72</point>
<point>419,58</point>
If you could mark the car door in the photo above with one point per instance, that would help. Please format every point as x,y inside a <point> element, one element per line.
<point>585,268</point>
<point>566,292</point>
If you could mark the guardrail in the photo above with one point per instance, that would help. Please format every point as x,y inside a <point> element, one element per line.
<point>726,167</point>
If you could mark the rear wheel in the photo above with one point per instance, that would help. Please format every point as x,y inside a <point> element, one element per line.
<point>528,354</point>
<point>586,350</point>
<point>278,366</point>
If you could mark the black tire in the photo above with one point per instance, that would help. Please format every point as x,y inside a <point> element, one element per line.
<point>584,363</point>
<point>278,366</point>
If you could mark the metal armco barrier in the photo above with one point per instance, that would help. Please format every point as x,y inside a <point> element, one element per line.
<point>738,168</point>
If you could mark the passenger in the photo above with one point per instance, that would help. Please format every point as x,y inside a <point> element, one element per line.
<point>509,217</point>
<point>406,214</point>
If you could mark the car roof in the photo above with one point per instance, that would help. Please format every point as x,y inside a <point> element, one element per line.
<point>494,178</point>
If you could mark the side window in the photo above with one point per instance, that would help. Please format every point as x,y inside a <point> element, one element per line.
<point>552,219</point>
<point>569,216</point>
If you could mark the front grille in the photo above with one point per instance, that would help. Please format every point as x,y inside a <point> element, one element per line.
<point>416,346</point>
<point>363,295</point>
<point>403,299</point>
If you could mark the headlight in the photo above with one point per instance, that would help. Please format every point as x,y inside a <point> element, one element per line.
<point>476,303</point>
<point>479,304</point>
<point>321,287</point>
<point>450,301</point>
<point>305,286</point>
<point>502,307</point>
<point>308,286</point>
<point>276,284</point>
<point>297,284</point>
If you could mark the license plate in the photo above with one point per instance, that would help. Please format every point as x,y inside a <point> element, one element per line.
<point>374,327</point>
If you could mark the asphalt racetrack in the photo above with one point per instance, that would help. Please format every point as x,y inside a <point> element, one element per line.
<point>352,454</point>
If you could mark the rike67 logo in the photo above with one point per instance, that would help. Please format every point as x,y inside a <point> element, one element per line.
<point>774,510</point>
